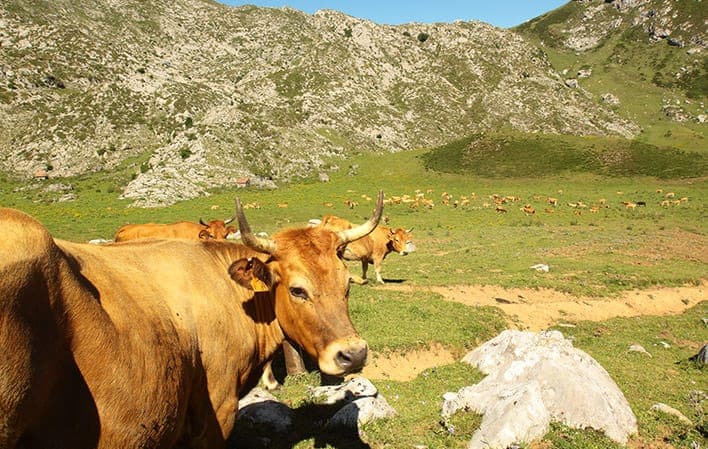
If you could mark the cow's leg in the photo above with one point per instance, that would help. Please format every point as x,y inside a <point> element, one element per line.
<point>364,268</point>
<point>17,379</point>
<point>377,269</point>
<point>357,280</point>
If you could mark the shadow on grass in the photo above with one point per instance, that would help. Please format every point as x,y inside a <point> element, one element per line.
<point>308,423</point>
<point>394,281</point>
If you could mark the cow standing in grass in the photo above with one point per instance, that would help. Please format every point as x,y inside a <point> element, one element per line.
<point>373,248</point>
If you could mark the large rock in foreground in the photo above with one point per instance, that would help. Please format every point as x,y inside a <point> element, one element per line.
<point>533,379</point>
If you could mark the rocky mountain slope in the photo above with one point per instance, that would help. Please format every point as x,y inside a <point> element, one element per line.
<point>188,95</point>
<point>646,58</point>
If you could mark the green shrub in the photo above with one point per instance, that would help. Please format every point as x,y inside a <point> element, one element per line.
<point>185,153</point>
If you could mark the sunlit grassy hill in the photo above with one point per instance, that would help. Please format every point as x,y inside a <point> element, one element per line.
<point>528,155</point>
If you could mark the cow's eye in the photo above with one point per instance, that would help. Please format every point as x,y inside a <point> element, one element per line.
<point>298,292</point>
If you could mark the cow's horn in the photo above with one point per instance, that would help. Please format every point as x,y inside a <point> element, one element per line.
<point>201,222</point>
<point>233,217</point>
<point>349,235</point>
<point>249,239</point>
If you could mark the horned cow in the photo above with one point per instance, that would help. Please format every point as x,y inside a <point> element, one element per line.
<point>214,229</point>
<point>373,248</point>
<point>151,343</point>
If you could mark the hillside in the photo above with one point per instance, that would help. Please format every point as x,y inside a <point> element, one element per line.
<point>519,155</point>
<point>646,59</point>
<point>178,97</point>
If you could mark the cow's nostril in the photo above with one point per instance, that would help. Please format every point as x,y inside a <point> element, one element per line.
<point>351,360</point>
<point>344,360</point>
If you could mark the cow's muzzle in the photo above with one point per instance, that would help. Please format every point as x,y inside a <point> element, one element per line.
<point>344,356</point>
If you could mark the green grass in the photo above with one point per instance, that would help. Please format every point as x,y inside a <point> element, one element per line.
<point>600,254</point>
<point>375,311</point>
<point>591,253</point>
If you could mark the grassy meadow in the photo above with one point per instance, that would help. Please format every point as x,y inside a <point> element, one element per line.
<point>594,244</point>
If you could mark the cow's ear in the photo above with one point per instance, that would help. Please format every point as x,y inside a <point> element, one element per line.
<point>230,230</point>
<point>251,273</point>
<point>204,234</point>
<point>340,250</point>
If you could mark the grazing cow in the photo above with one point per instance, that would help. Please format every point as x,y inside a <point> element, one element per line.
<point>374,247</point>
<point>528,209</point>
<point>215,229</point>
<point>151,343</point>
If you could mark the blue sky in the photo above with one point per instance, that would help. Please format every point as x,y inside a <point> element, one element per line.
<point>501,13</point>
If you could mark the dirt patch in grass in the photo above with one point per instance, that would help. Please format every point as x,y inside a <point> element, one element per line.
<point>659,246</point>
<point>407,366</point>
<point>672,244</point>
<point>534,310</point>
<point>538,309</point>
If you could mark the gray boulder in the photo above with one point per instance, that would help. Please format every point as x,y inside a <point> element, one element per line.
<point>701,357</point>
<point>363,403</point>
<point>263,421</point>
<point>532,380</point>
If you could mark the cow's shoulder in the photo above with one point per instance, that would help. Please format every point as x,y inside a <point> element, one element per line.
<point>23,237</point>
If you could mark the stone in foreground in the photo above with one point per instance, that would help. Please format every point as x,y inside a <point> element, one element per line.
<point>532,380</point>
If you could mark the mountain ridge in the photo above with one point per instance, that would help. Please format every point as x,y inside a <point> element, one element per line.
<point>189,95</point>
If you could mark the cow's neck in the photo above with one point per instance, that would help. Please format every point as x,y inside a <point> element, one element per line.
<point>269,335</point>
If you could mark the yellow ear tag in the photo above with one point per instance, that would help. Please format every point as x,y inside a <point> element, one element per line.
<point>258,286</point>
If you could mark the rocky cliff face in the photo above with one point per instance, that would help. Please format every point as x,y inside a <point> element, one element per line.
<point>193,94</point>
<point>585,24</point>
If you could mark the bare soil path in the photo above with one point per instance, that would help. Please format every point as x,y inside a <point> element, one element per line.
<point>535,310</point>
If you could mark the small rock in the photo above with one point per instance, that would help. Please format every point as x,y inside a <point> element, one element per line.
<point>261,409</point>
<point>639,348</point>
<point>540,267</point>
<point>701,358</point>
<point>663,408</point>
<point>610,99</point>
<point>362,403</point>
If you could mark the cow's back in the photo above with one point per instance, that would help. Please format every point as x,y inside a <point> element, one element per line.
<point>36,364</point>
<point>110,345</point>
<point>182,229</point>
<point>178,318</point>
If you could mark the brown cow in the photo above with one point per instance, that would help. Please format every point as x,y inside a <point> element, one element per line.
<point>215,229</point>
<point>374,247</point>
<point>151,343</point>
